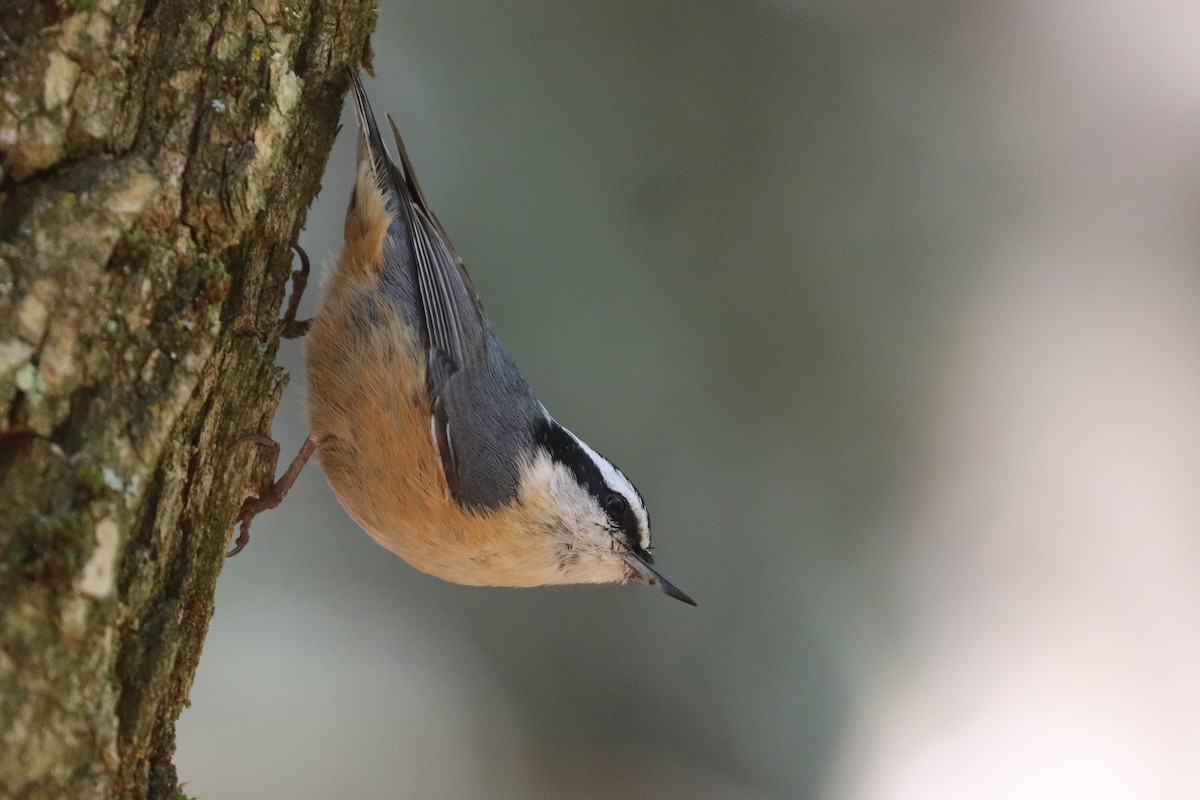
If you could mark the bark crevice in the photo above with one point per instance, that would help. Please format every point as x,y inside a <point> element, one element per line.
<point>155,167</point>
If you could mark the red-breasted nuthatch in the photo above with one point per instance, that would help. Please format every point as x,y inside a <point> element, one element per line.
<point>428,433</point>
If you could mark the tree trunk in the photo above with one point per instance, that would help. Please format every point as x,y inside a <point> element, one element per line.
<point>156,161</point>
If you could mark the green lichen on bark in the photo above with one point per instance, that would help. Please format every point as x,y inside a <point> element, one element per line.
<point>156,160</point>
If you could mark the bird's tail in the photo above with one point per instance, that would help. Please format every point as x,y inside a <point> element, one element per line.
<point>402,181</point>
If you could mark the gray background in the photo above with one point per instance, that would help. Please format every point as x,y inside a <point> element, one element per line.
<point>890,310</point>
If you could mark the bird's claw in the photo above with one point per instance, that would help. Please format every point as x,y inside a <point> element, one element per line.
<point>273,490</point>
<point>290,327</point>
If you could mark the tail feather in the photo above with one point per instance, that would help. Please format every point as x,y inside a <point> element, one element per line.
<point>371,146</point>
<point>410,177</point>
<point>420,270</point>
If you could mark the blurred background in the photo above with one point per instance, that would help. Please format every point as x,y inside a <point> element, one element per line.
<point>892,312</point>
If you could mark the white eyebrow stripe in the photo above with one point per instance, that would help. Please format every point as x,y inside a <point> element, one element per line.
<point>617,480</point>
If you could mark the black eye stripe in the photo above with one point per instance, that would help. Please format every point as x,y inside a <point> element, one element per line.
<point>618,510</point>
<point>615,505</point>
<point>566,451</point>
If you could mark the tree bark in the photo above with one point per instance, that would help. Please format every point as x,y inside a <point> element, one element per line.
<point>156,161</point>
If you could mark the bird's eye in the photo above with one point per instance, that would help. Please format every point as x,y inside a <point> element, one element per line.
<point>615,505</point>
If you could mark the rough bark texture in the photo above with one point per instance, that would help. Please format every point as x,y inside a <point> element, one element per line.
<point>156,160</point>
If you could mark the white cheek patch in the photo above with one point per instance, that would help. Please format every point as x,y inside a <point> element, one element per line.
<point>569,500</point>
<point>537,470</point>
<point>574,525</point>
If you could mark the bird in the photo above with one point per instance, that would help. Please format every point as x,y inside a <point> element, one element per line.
<point>428,433</point>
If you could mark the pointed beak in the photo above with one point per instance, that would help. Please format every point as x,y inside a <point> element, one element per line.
<point>644,572</point>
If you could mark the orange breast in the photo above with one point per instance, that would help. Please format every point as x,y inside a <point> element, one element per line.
<point>369,406</point>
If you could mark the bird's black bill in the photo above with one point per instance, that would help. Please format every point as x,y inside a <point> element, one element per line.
<point>645,572</point>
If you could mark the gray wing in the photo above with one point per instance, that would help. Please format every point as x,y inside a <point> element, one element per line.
<point>490,415</point>
<point>483,409</point>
